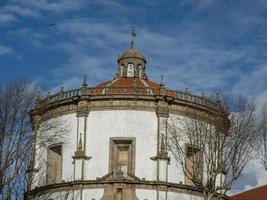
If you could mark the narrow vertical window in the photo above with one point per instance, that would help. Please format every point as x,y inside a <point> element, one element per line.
<point>54,164</point>
<point>193,165</point>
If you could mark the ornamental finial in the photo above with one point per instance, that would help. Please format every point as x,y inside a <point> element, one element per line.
<point>80,142</point>
<point>161,80</point>
<point>217,98</point>
<point>84,84</point>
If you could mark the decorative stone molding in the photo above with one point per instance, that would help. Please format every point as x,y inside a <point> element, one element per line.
<point>162,111</point>
<point>161,157</point>
<point>113,101</point>
<point>80,154</point>
<point>131,143</point>
<point>82,109</point>
<point>97,184</point>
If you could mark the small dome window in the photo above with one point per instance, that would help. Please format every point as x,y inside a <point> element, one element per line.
<point>130,70</point>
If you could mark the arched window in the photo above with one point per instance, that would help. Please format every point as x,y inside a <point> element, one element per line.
<point>130,70</point>
<point>121,70</point>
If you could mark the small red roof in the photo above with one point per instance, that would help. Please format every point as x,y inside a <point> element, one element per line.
<point>259,193</point>
<point>131,86</point>
<point>127,86</point>
<point>130,82</point>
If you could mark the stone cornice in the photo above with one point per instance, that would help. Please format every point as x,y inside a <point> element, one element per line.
<point>46,106</point>
<point>80,154</point>
<point>98,184</point>
<point>161,157</point>
<point>162,105</point>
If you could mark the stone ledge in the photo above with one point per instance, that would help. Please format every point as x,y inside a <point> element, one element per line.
<point>98,184</point>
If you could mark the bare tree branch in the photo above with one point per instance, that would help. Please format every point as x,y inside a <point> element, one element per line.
<point>18,142</point>
<point>211,158</point>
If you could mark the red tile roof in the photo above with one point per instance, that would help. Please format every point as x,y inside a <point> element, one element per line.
<point>134,86</point>
<point>127,86</point>
<point>259,193</point>
<point>129,82</point>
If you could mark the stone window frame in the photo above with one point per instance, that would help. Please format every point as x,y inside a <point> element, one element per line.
<point>49,147</point>
<point>187,180</point>
<point>129,141</point>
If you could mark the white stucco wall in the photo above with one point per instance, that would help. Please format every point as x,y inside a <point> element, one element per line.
<point>175,172</point>
<point>61,131</point>
<point>93,194</point>
<point>101,126</point>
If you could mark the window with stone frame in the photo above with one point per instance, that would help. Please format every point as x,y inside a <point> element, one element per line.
<point>54,164</point>
<point>193,164</point>
<point>122,156</point>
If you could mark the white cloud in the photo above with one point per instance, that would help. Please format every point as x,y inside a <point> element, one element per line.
<point>57,6</point>
<point>5,50</point>
<point>68,84</point>
<point>252,176</point>
<point>19,10</point>
<point>6,18</point>
<point>261,100</point>
<point>32,37</point>
<point>179,56</point>
<point>252,82</point>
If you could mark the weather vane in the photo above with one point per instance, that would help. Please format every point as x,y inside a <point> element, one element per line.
<point>133,36</point>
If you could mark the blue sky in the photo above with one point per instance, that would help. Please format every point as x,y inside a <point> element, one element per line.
<point>199,44</point>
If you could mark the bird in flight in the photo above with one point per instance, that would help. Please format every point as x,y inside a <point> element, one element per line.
<point>51,24</point>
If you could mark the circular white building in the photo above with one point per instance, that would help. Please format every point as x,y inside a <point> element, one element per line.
<point>115,146</point>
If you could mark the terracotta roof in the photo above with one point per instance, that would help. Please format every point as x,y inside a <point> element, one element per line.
<point>259,193</point>
<point>127,86</point>
<point>130,86</point>
<point>130,82</point>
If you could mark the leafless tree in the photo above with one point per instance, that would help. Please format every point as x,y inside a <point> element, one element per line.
<point>17,140</point>
<point>263,137</point>
<point>211,157</point>
<point>16,99</point>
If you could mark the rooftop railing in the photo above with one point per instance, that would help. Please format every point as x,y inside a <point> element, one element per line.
<point>138,91</point>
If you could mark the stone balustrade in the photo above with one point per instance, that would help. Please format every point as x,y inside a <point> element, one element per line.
<point>142,91</point>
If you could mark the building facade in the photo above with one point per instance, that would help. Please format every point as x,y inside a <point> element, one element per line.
<point>113,144</point>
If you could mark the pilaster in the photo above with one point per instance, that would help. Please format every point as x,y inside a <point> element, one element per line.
<point>162,159</point>
<point>80,156</point>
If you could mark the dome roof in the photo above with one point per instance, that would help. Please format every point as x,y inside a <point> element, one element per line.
<point>127,86</point>
<point>132,52</point>
<point>130,86</point>
<point>130,82</point>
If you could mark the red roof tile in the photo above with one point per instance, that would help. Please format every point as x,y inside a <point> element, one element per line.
<point>130,82</point>
<point>259,193</point>
<point>130,86</point>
